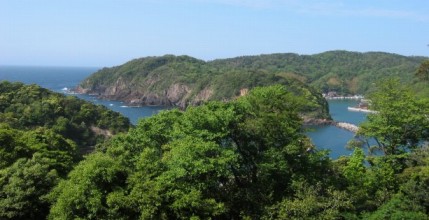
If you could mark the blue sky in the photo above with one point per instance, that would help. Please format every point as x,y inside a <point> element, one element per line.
<point>111,32</point>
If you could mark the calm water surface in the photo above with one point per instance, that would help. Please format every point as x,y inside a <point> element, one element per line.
<point>58,78</point>
<point>333,138</point>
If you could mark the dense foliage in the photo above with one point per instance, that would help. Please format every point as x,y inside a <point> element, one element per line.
<point>42,136</point>
<point>246,159</point>
<point>224,160</point>
<point>183,80</point>
<point>29,107</point>
<point>401,122</point>
<point>400,178</point>
<point>341,71</point>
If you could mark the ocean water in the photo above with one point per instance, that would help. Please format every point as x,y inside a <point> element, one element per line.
<point>53,78</point>
<point>58,78</point>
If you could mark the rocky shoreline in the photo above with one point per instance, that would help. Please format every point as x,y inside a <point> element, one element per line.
<point>318,121</point>
<point>177,95</point>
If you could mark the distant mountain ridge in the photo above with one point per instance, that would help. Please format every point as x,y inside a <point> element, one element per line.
<point>184,80</point>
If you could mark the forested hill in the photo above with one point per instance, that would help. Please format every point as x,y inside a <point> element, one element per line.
<point>341,71</point>
<point>32,108</point>
<point>183,80</point>
<point>42,136</point>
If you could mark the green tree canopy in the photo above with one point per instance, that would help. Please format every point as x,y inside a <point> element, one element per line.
<point>24,186</point>
<point>222,160</point>
<point>401,121</point>
<point>42,136</point>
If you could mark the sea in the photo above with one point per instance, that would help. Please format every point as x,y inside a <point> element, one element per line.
<point>62,79</point>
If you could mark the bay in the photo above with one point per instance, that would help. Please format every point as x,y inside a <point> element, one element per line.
<point>339,112</point>
<point>59,78</point>
<point>333,138</point>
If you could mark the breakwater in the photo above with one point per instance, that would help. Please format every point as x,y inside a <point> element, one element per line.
<point>347,126</point>
<point>343,125</point>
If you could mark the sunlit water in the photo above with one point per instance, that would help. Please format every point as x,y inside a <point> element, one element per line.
<point>58,78</point>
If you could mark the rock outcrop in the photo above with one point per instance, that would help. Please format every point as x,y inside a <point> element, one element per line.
<point>177,94</point>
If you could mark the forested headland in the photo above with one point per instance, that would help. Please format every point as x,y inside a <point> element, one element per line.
<point>183,80</point>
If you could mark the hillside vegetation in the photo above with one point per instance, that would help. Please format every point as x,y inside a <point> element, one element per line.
<point>250,159</point>
<point>42,136</point>
<point>183,80</point>
<point>341,71</point>
<point>244,159</point>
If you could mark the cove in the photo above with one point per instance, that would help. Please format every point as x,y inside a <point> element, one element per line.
<point>333,138</point>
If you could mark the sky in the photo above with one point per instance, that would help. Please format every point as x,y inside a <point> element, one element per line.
<point>110,32</point>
